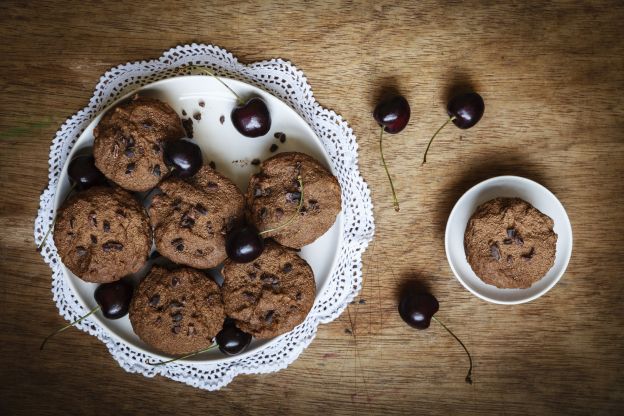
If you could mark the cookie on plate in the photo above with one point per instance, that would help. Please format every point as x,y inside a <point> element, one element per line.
<point>273,196</point>
<point>129,138</point>
<point>102,234</point>
<point>191,217</point>
<point>177,311</point>
<point>271,295</point>
<point>509,243</point>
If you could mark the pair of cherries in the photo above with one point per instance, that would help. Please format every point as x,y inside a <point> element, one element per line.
<point>393,114</point>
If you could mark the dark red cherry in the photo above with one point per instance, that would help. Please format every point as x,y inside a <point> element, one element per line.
<point>83,174</point>
<point>244,244</point>
<point>392,113</point>
<point>232,340</point>
<point>417,309</point>
<point>114,298</point>
<point>252,118</point>
<point>184,156</point>
<point>467,109</point>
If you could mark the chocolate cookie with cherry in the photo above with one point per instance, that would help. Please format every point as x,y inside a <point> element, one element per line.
<point>274,193</point>
<point>177,311</point>
<point>271,295</point>
<point>129,139</point>
<point>102,234</point>
<point>192,216</point>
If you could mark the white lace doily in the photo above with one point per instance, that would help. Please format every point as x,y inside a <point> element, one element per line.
<point>285,81</point>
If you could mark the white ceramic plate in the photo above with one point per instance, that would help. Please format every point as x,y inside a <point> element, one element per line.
<point>232,154</point>
<point>506,186</point>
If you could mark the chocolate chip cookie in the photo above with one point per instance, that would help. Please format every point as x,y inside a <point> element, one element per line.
<point>271,295</point>
<point>509,243</point>
<point>129,138</point>
<point>177,311</point>
<point>273,196</point>
<point>102,234</point>
<point>191,217</point>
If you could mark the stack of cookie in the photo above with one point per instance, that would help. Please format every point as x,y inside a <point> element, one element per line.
<point>104,234</point>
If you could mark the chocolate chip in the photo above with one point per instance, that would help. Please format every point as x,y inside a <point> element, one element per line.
<point>212,164</point>
<point>130,168</point>
<point>298,296</point>
<point>175,329</point>
<point>156,170</point>
<point>93,218</point>
<point>280,136</point>
<point>507,241</point>
<point>120,212</point>
<point>511,232</point>
<point>362,301</point>
<point>273,148</point>
<point>129,141</point>
<point>257,192</point>
<point>263,213</point>
<point>249,295</point>
<point>529,255</point>
<point>176,204</point>
<point>287,268</point>
<point>495,252</point>
<point>176,317</point>
<point>112,246</point>
<point>313,203</point>
<point>202,103</point>
<point>187,221</point>
<point>156,148</point>
<point>222,119</point>
<point>81,251</point>
<point>293,197</point>
<point>175,281</point>
<point>201,210</point>
<point>197,115</point>
<point>154,301</point>
<point>255,162</point>
<point>129,152</point>
<point>147,125</point>
<point>178,244</point>
<point>212,185</point>
<point>279,213</point>
<point>106,226</point>
<point>518,240</point>
<point>269,317</point>
<point>187,123</point>
<point>93,239</point>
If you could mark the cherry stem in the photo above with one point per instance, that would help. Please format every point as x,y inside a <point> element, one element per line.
<point>182,357</point>
<point>212,74</point>
<point>45,237</point>
<point>434,135</point>
<point>395,201</point>
<point>292,218</point>
<point>58,331</point>
<point>469,375</point>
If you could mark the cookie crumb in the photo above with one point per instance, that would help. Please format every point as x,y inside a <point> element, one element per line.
<point>197,116</point>
<point>273,148</point>
<point>187,123</point>
<point>202,103</point>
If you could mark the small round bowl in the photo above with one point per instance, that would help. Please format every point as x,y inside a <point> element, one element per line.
<point>506,186</point>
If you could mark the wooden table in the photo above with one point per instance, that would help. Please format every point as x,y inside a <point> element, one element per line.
<point>552,76</point>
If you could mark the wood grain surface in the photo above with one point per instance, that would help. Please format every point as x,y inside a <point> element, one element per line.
<point>552,76</point>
